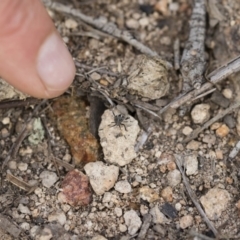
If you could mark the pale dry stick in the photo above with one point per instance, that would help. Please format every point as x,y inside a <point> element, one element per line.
<point>204,94</point>
<point>148,111</point>
<point>199,235</point>
<point>20,183</point>
<point>103,25</point>
<point>235,150</point>
<point>193,196</point>
<point>220,115</point>
<point>214,77</point>
<point>101,71</point>
<point>145,226</point>
<point>193,59</point>
<point>176,50</point>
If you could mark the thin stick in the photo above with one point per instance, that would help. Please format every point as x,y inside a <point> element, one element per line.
<point>176,50</point>
<point>84,66</point>
<point>148,111</point>
<point>193,60</point>
<point>19,103</point>
<point>215,77</point>
<point>100,24</point>
<point>220,115</point>
<point>193,196</point>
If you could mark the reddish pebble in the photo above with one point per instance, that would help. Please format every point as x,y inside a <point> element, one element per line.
<point>75,189</point>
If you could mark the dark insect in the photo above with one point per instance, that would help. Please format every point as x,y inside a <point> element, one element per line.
<point>118,120</point>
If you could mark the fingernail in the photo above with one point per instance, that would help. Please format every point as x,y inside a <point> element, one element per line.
<point>54,64</point>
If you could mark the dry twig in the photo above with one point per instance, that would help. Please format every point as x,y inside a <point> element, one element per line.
<point>103,25</point>
<point>193,61</point>
<point>193,196</point>
<point>220,115</point>
<point>20,183</point>
<point>214,77</point>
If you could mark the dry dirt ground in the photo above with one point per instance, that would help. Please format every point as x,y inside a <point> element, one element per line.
<point>148,196</point>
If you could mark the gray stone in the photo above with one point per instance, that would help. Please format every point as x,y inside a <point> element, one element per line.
<point>149,77</point>
<point>215,202</point>
<point>218,98</point>
<point>48,178</point>
<point>102,177</point>
<point>133,221</point>
<point>58,216</point>
<point>23,209</point>
<point>191,164</point>
<point>158,216</point>
<point>132,23</point>
<point>174,178</point>
<point>186,221</point>
<point>123,187</point>
<point>200,113</point>
<point>118,142</point>
<point>230,121</point>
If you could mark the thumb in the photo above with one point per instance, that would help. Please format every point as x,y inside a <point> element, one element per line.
<point>33,57</point>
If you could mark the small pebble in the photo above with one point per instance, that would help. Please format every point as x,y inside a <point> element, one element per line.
<point>227,93</point>
<point>171,165</point>
<point>58,216</point>
<point>209,138</point>
<point>218,98</point>
<point>230,121</point>
<point>23,209</point>
<point>48,178</point>
<point>167,194</point>
<point>44,234</point>
<point>222,131</point>
<point>122,228</point>
<point>238,204</point>
<point>102,177</point>
<point>193,145</point>
<point>162,7</point>
<point>71,23</point>
<point>200,113</point>
<point>95,76</point>
<point>186,221</point>
<point>25,226</point>
<point>215,125</point>
<point>160,229</point>
<point>158,216</point>
<point>133,221</point>
<point>144,22</point>
<point>75,189</point>
<point>12,165</point>
<point>123,187</point>
<point>6,120</point>
<point>144,209</point>
<point>22,166</point>
<point>148,194</point>
<point>178,206</point>
<point>118,211</point>
<point>98,237</point>
<point>215,201</point>
<point>34,230</point>
<point>67,157</point>
<point>132,23</point>
<point>219,154</point>
<point>191,164</point>
<point>5,133</point>
<point>174,178</point>
<point>187,130</point>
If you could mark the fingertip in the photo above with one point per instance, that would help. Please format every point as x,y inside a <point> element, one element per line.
<point>54,64</point>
